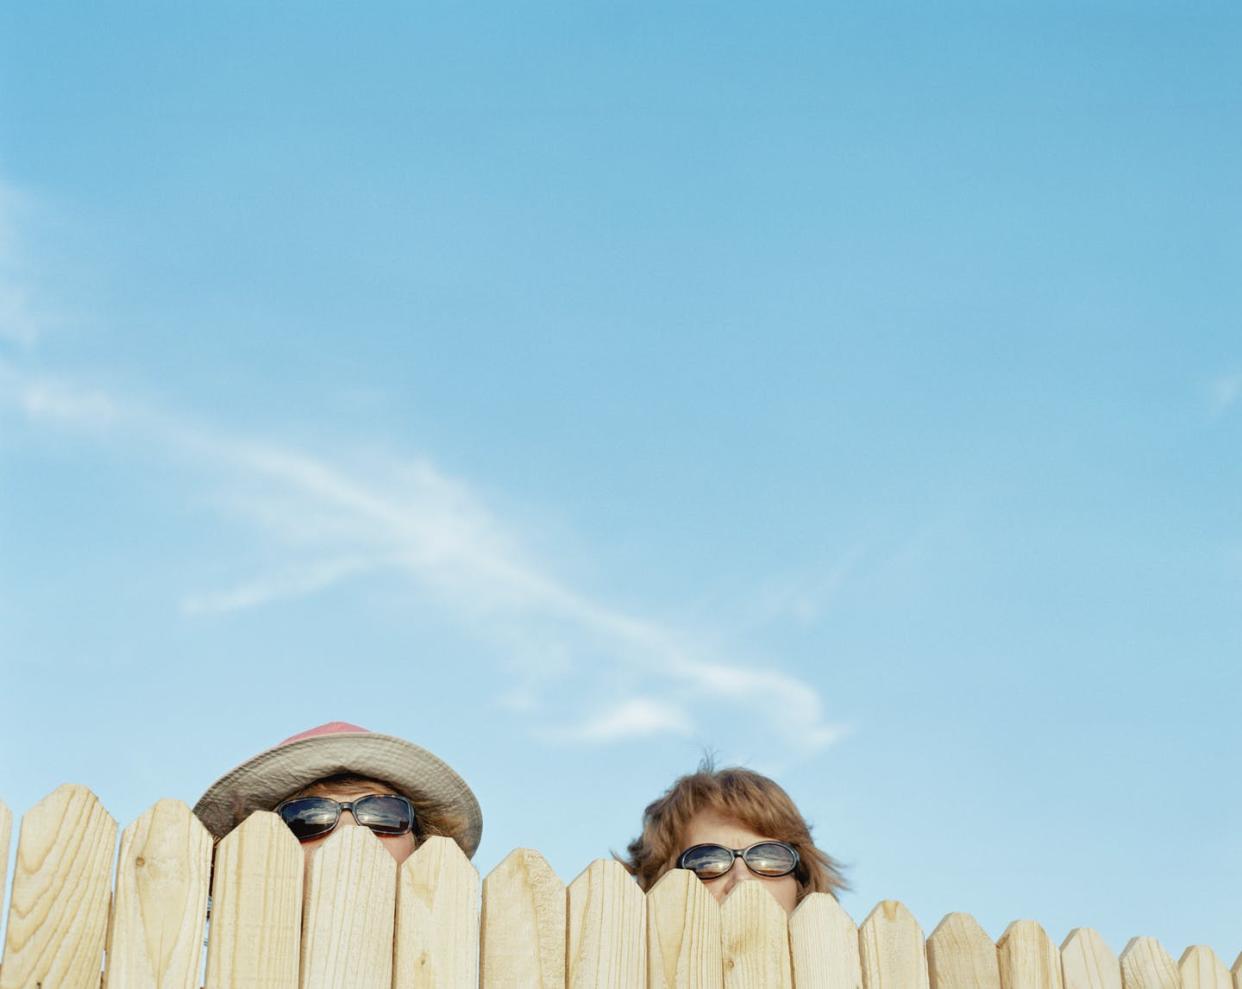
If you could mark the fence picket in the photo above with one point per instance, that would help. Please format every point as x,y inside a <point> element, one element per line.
<point>1237,971</point>
<point>824,945</point>
<point>437,928</point>
<point>256,907</point>
<point>522,937</point>
<point>1087,962</point>
<point>891,949</point>
<point>607,915</point>
<point>347,921</point>
<point>1146,965</point>
<point>683,934</point>
<point>6,832</point>
<point>960,955</point>
<point>58,914</point>
<point>755,933</point>
<point>1028,958</point>
<point>1200,968</point>
<point>155,939</point>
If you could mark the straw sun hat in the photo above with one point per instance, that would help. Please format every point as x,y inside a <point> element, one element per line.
<point>337,747</point>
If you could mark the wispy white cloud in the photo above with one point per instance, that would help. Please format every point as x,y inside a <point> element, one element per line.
<point>1224,392</point>
<point>339,521</point>
<point>637,717</point>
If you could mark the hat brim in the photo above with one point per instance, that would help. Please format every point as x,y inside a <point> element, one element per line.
<point>272,776</point>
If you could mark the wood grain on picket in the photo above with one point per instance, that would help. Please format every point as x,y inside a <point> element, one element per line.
<point>350,906</point>
<point>1087,962</point>
<point>607,918</point>
<point>159,909</point>
<point>58,917</point>
<point>1028,958</point>
<point>255,930</point>
<point>823,945</point>
<point>1201,968</point>
<point>437,929</point>
<point>683,934</point>
<point>522,936</point>
<point>960,955</point>
<point>1146,965</point>
<point>754,930</point>
<point>891,949</point>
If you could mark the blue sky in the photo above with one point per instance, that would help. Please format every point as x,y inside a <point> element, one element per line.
<point>854,393</point>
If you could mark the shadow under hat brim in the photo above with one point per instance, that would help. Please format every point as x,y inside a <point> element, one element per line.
<point>272,776</point>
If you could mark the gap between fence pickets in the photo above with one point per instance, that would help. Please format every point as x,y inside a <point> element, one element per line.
<point>434,923</point>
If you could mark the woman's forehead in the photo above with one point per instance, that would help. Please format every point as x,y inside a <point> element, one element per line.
<point>353,787</point>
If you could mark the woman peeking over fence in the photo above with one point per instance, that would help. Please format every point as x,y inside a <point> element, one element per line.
<point>341,775</point>
<point>730,826</point>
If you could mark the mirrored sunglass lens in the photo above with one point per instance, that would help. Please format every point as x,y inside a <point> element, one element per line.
<point>770,858</point>
<point>310,817</point>
<point>384,814</point>
<point>708,861</point>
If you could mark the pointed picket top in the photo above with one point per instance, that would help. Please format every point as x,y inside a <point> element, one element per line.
<point>1200,968</point>
<point>58,916</point>
<point>607,916</point>
<point>1028,958</point>
<point>824,945</point>
<point>437,930</point>
<point>1087,962</point>
<point>683,934</point>
<point>1237,971</point>
<point>1146,965</point>
<point>522,934</point>
<point>6,833</point>
<point>891,949</point>
<point>160,904</point>
<point>347,923</point>
<point>754,931</point>
<point>960,955</point>
<point>255,933</point>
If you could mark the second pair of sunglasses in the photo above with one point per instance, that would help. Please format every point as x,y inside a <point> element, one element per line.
<point>768,859</point>
<point>313,817</point>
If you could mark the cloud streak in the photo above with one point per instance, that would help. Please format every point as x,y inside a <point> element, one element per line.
<point>339,522</point>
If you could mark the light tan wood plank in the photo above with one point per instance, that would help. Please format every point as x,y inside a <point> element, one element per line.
<point>607,917</point>
<point>1237,971</point>
<point>155,939</point>
<point>58,917</point>
<point>1146,965</point>
<point>1028,958</point>
<point>824,945</point>
<point>683,934</point>
<point>1200,968</point>
<point>754,930</point>
<point>960,955</point>
<point>891,949</point>
<point>255,933</point>
<point>522,939</point>
<point>1087,962</point>
<point>350,908</point>
<point>437,930</point>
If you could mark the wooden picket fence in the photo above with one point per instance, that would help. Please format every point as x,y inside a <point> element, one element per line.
<point>354,920</point>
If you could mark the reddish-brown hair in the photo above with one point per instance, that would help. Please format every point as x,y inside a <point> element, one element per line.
<point>742,795</point>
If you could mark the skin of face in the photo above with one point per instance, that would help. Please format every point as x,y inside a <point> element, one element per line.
<point>708,827</point>
<point>400,846</point>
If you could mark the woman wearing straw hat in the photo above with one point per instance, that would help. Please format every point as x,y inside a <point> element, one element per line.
<point>342,775</point>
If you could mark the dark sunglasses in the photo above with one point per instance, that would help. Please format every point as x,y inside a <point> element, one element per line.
<point>313,817</point>
<point>769,859</point>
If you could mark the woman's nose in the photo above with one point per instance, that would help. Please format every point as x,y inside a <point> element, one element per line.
<point>738,874</point>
